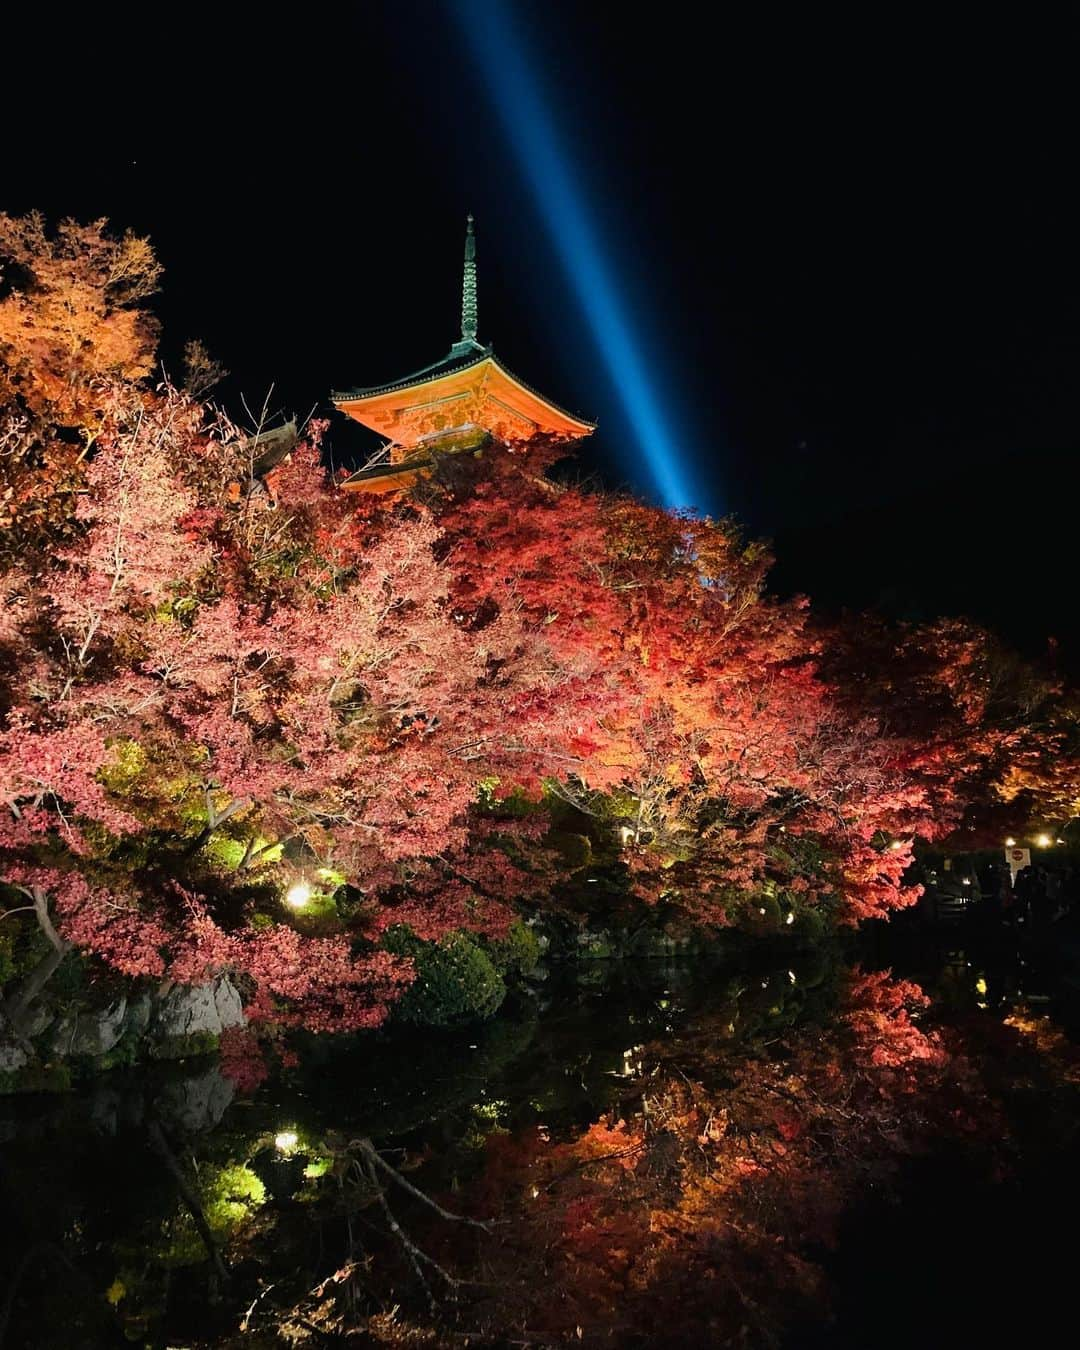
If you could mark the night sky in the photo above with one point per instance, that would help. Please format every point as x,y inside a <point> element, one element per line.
<point>849,254</point>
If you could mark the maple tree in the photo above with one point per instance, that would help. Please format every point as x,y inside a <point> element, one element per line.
<point>73,323</point>
<point>750,782</point>
<point>992,740</point>
<point>211,692</point>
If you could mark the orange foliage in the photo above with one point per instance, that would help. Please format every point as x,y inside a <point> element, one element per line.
<point>73,330</point>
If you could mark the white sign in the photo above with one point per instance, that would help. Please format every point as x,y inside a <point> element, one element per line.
<point>1017,858</point>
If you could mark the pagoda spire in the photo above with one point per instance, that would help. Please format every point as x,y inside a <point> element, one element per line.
<point>468,288</point>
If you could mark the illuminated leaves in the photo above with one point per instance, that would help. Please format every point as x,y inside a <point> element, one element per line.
<point>211,679</point>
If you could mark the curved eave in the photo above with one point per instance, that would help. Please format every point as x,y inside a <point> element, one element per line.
<point>444,370</point>
<point>586,427</point>
<point>387,477</point>
<point>449,365</point>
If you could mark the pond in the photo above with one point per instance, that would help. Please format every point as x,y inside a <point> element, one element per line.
<point>794,1150</point>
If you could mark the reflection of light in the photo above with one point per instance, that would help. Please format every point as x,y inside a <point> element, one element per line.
<point>790,918</point>
<point>298,894</point>
<point>791,976</point>
<point>1043,840</point>
<point>1010,842</point>
<point>897,845</point>
<point>965,881</point>
<point>535,1192</point>
<point>286,1141</point>
<point>761,910</point>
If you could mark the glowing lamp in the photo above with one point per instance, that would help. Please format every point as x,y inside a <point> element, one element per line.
<point>897,845</point>
<point>298,894</point>
<point>1010,842</point>
<point>790,918</point>
<point>286,1141</point>
<point>1043,841</point>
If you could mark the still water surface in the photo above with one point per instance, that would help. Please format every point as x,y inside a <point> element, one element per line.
<point>645,1191</point>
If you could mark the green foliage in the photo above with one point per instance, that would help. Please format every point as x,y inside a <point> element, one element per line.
<point>127,760</point>
<point>810,925</point>
<point>7,957</point>
<point>35,1078</point>
<point>575,850</point>
<point>22,943</point>
<point>229,1195</point>
<point>227,849</point>
<point>760,914</point>
<point>23,946</point>
<point>596,947</point>
<point>456,980</point>
<point>798,854</point>
<point>221,851</point>
<point>620,806</point>
<point>185,1047</point>
<point>517,953</point>
<point>319,916</point>
<point>515,805</point>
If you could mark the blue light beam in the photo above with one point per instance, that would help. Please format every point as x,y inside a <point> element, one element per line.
<point>498,48</point>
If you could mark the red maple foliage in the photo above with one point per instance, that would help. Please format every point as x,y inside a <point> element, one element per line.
<point>209,693</point>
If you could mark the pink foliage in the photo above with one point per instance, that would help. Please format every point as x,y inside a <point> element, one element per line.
<point>393,690</point>
<point>242,1059</point>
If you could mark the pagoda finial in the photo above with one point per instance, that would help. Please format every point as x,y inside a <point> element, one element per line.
<point>468,289</point>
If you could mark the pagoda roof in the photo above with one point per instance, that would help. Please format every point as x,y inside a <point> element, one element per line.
<point>461,357</point>
<point>456,359</point>
<point>440,408</point>
<point>387,476</point>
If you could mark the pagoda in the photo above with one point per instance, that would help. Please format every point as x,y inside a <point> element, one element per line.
<point>452,407</point>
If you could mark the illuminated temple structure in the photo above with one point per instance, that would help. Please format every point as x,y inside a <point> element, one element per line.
<point>450,407</point>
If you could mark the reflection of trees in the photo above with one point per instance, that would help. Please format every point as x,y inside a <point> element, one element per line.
<point>658,1160</point>
<point>551,1082</point>
<point>700,1201</point>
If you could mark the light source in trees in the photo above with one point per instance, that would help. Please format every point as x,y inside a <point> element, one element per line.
<point>298,894</point>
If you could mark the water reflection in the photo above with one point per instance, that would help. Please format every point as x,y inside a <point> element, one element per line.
<point>668,1156</point>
